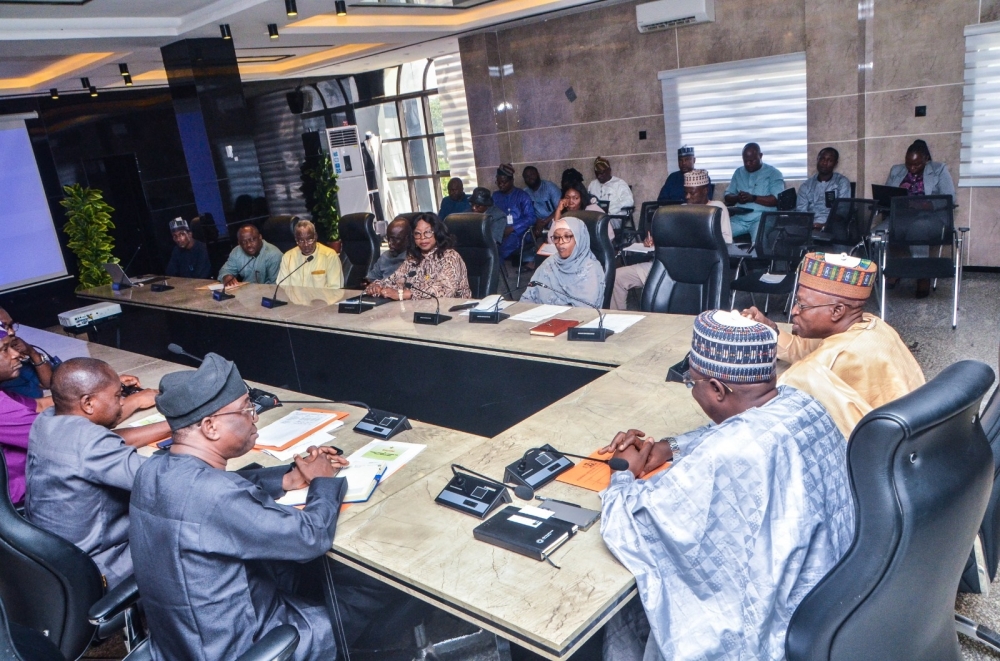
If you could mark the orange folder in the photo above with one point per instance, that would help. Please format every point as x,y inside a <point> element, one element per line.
<point>595,475</point>
<point>340,415</point>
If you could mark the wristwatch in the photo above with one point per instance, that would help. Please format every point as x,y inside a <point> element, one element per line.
<point>43,358</point>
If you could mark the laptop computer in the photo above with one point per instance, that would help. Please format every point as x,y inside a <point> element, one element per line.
<point>119,278</point>
<point>883,194</point>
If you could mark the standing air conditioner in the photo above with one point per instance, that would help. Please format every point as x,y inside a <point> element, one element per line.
<point>345,152</point>
<point>663,14</point>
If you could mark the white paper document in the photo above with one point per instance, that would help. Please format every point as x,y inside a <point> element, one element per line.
<point>619,323</point>
<point>148,420</point>
<point>773,278</point>
<point>361,480</point>
<point>487,306</point>
<point>540,313</point>
<point>293,425</point>
<point>317,438</point>
<point>638,247</point>
<point>394,454</point>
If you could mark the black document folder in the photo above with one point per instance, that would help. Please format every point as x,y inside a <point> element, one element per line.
<point>523,533</point>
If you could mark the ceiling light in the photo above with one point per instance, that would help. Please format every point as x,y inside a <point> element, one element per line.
<point>272,30</point>
<point>290,8</point>
<point>341,6</point>
<point>123,69</point>
<point>85,82</point>
<point>54,93</point>
<point>128,79</point>
<point>226,33</point>
<point>93,91</point>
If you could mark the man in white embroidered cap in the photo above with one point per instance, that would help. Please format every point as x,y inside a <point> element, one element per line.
<point>215,557</point>
<point>754,510</point>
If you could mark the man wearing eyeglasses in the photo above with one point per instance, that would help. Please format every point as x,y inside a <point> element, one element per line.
<point>754,510</point>
<point>849,360</point>
<point>36,365</point>
<point>323,271</point>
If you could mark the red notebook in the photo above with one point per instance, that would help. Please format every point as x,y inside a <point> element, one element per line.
<point>554,327</point>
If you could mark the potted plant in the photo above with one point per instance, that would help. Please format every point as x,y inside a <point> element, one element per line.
<point>321,198</point>
<point>88,219</point>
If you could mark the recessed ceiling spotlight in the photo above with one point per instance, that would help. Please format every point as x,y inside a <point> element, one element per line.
<point>290,8</point>
<point>93,91</point>
<point>85,82</point>
<point>226,33</point>
<point>272,30</point>
<point>54,93</point>
<point>123,69</point>
<point>341,6</point>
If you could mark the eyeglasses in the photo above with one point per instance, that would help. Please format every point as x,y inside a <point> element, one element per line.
<point>305,242</point>
<point>562,238</point>
<point>251,410</point>
<point>689,382</point>
<point>429,234</point>
<point>804,308</point>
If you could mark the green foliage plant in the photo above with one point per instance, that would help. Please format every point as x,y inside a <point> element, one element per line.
<point>88,221</point>
<point>324,204</point>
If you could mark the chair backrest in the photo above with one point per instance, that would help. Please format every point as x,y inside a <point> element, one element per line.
<point>990,529</point>
<point>46,583</point>
<point>646,212</point>
<point>600,244</point>
<point>361,244</point>
<point>278,231</point>
<point>18,643</point>
<point>348,271</point>
<point>924,220</point>
<point>782,236</point>
<point>921,472</point>
<point>474,242</point>
<point>850,220</point>
<point>690,272</point>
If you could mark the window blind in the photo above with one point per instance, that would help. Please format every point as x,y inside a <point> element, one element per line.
<point>980,156</point>
<point>719,108</point>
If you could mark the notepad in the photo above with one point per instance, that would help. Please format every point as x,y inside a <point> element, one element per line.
<point>540,313</point>
<point>596,475</point>
<point>619,323</point>
<point>639,247</point>
<point>294,427</point>
<point>362,480</point>
<point>554,327</point>
<point>395,454</point>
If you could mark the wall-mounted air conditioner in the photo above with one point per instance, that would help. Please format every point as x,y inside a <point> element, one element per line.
<point>663,14</point>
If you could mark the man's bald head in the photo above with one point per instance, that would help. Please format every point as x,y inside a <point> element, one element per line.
<point>77,378</point>
<point>250,240</point>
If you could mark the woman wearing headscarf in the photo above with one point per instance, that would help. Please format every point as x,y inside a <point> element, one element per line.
<point>572,271</point>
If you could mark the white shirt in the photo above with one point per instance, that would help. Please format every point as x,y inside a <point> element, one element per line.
<point>727,228</point>
<point>615,191</point>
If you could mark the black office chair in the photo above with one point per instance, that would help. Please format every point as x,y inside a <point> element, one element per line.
<point>847,227</point>
<point>278,644</point>
<point>279,231</point>
<point>474,242</point>
<point>47,583</point>
<point>19,643</point>
<point>690,272</point>
<point>600,244</point>
<point>921,473</point>
<point>361,244</point>
<point>923,220</point>
<point>783,238</point>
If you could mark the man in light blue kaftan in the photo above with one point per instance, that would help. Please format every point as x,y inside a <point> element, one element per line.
<point>754,511</point>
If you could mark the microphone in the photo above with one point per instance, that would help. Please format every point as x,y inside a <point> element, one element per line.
<point>615,463</point>
<point>179,350</point>
<point>598,334</point>
<point>426,317</point>
<point>262,400</point>
<point>494,316</point>
<point>125,270</point>
<point>222,295</point>
<point>273,302</point>
<point>522,491</point>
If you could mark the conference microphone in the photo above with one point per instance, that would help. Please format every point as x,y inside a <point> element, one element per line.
<point>262,400</point>
<point>426,317</point>
<point>125,270</point>
<point>577,333</point>
<point>222,295</point>
<point>521,491</point>
<point>491,316</point>
<point>475,494</point>
<point>615,463</point>
<point>273,302</point>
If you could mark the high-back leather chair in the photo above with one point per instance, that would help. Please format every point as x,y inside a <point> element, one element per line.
<point>921,473</point>
<point>600,244</point>
<point>279,231</point>
<point>474,242</point>
<point>690,272</point>
<point>18,643</point>
<point>46,583</point>
<point>361,245</point>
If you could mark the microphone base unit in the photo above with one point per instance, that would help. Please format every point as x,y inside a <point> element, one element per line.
<point>430,318</point>
<point>357,305</point>
<point>539,469</point>
<point>382,424</point>
<point>486,317</point>
<point>160,287</point>
<point>578,334</point>
<point>470,495</point>
<point>263,400</point>
<point>272,303</point>
<point>222,295</point>
<point>120,286</point>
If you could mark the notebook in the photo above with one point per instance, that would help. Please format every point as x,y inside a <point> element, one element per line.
<point>362,480</point>
<point>530,531</point>
<point>554,327</point>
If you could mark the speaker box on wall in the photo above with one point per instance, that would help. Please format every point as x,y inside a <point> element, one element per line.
<point>296,101</point>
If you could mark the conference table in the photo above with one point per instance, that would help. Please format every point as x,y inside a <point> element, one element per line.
<point>572,395</point>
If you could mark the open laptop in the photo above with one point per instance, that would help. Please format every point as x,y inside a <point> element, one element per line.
<point>119,278</point>
<point>883,194</point>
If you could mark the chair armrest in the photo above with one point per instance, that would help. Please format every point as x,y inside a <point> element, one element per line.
<point>963,230</point>
<point>123,596</point>
<point>278,644</point>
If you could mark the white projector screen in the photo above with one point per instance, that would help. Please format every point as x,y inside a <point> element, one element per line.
<point>29,248</point>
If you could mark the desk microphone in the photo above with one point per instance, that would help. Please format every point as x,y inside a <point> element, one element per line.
<point>222,295</point>
<point>426,317</point>
<point>273,302</point>
<point>615,463</point>
<point>262,400</point>
<point>491,316</point>
<point>125,270</point>
<point>521,491</point>
<point>598,334</point>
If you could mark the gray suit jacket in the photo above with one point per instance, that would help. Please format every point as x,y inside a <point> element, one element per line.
<point>937,179</point>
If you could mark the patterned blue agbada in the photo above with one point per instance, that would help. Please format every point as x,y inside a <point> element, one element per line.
<point>726,543</point>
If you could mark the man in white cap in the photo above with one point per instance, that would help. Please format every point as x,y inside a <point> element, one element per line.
<point>189,258</point>
<point>696,187</point>
<point>754,511</point>
<point>609,188</point>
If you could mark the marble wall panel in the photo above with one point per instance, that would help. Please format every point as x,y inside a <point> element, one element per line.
<point>892,113</point>
<point>984,238</point>
<point>832,118</point>
<point>488,151</point>
<point>919,43</point>
<point>989,10</point>
<point>478,92</point>
<point>882,153</point>
<point>608,139</point>
<point>832,47</point>
<point>744,29</point>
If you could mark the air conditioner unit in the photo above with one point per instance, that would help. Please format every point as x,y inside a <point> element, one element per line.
<point>663,14</point>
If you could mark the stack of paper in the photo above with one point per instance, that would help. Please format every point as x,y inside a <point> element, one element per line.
<point>294,433</point>
<point>619,323</point>
<point>540,313</point>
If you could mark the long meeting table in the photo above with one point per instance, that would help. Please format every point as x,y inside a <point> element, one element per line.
<point>479,395</point>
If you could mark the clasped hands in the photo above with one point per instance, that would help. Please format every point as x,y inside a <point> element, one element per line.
<point>318,462</point>
<point>643,454</point>
<point>374,289</point>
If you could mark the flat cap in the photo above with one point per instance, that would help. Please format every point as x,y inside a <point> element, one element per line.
<point>190,395</point>
<point>505,170</point>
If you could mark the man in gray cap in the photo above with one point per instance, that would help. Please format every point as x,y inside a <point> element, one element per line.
<point>190,257</point>
<point>215,557</point>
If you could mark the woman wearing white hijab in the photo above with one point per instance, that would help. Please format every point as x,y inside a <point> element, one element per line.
<point>573,270</point>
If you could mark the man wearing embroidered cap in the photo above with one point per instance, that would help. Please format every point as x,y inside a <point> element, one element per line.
<point>849,360</point>
<point>673,187</point>
<point>189,258</point>
<point>754,511</point>
<point>215,557</point>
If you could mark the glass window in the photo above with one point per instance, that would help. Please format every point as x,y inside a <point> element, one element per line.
<point>332,94</point>
<point>441,147</point>
<point>388,121</point>
<point>390,78</point>
<point>411,78</point>
<point>399,191</point>
<point>426,200</point>
<point>392,155</point>
<point>413,117</point>
<point>420,162</point>
<point>437,119</point>
<point>431,82</point>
